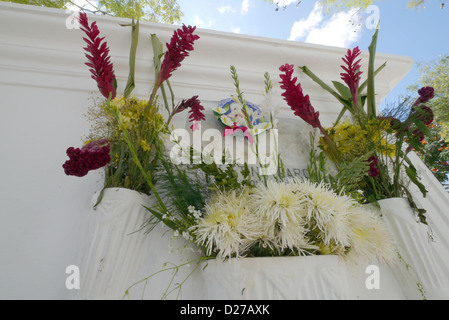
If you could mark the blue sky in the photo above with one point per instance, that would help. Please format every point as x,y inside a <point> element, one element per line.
<point>420,34</point>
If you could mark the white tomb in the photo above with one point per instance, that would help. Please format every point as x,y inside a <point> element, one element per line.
<point>46,90</point>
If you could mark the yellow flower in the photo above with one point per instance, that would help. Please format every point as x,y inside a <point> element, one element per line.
<point>352,141</point>
<point>144,145</point>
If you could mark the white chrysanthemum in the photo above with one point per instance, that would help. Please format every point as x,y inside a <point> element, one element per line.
<point>328,212</point>
<point>227,227</point>
<point>370,239</point>
<point>282,212</point>
<point>278,201</point>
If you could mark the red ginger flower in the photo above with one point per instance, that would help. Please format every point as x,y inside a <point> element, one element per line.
<point>92,156</point>
<point>295,98</point>
<point>99,61</point>
<point>352,73</point>
<point>178,48</point>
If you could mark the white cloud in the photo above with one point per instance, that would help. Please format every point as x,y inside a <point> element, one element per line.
<point>339,31</point>
<point>282,3</point>
<point>235,30</point>
<point>245,6</point>
<point>302,27</point>
<point>225,9</point>
<point>200,23</point>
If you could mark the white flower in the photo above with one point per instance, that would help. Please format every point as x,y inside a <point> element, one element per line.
<point>370,238</point>
<point>191,209</point>
<point>282,213</point>
<point>197,214</point>
<point>227,225</point>
<point>186,235</point>
<point>328,212</point>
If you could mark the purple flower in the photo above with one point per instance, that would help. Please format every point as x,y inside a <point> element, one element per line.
<point>423,113</point>
<point>425,94</point>
<point>373,170</point>
<point>196,110</point>
<point>295,98</point>
<point>98,56</point>
<point>373,160</point>
<point>92,156</point>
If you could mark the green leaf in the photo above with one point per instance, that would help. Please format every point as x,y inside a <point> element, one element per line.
<point>158,53</point>
<point>130,85</point>
<point>371,101</point>
<point>413,175</point>
<point>323,85</point>
<point>365,83</point>
<point>343,90</point>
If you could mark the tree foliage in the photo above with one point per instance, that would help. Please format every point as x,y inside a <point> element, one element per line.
<point>436,74</point>
<point>164,11</point>
<point>435,155</point>
<point>42,3</point>
<point>336,5</point>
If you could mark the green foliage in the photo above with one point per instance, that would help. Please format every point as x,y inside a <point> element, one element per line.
<point>226,178</point>
<point>166,11</point>
<point>338,5</point>
<point>435,154</point>
<point>436,74</point>
<point>60,4</point>
<point>163,11</point>
<point>348,178</point>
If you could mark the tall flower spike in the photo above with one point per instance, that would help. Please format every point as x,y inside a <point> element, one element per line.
<point>98,56</point>
<point>195,111</point>
<point>352,73</point>
<point>178,48</point>
<point>295,98</point>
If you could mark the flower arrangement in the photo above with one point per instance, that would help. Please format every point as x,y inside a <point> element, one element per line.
<point>290,218</point>
<point>228,217</point>
<point>129,129</point>
<point>381,141</point>
<point>222,211</point>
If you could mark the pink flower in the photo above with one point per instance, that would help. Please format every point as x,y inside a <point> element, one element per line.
<point>352,73</point>
<point>92,156</point>
<point>98,56</point>
<point>178,48</point>
<point>295,98</point>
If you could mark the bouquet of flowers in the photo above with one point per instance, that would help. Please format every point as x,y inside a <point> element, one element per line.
<point>380,142</point>
<point>212,206</point>
<point>228,216</point>
<point>126,135</point>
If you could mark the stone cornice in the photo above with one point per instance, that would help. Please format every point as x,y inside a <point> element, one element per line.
<point>43,52</point>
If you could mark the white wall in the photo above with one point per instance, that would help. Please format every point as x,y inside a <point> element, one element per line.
<point>45,90</point>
